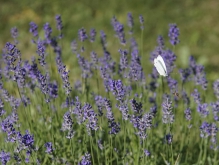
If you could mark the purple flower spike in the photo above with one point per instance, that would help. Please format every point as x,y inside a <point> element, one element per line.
<point>119,29</point>
<point>86,160</point>
<point>203,109</point>
<point>34,29</point>
<point>173,34</point>
<point>82,34</point>
<point>28,139</point>
<point>48,32</point>
<point>14,34</point>
<point>215,110</point>
<point>216,88</point>
<point>130,22</point>
<point>169,138</point>
<point>196,96</point>
<point>49,148</point>
<point>59,25</point>
<point>168,116</point>
<point>141,19</point>
<point>4,157</point>
<point>160,41</point>
<point>92,35</point>
<point>187,113</point>
<point>147,153</point>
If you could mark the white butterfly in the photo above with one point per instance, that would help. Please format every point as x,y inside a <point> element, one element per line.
<point>160,66</point>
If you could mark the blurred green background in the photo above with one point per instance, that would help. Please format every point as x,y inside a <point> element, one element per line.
<point>197,21</point>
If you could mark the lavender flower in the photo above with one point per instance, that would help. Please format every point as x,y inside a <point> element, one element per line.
<point>49,148</point>
<point>48,32</point>
<point>91,116</point>
<point>185,74</point>
<point>41,51</point>
<point>67,122</point>
<point>92,34</point>
<point>85,67</point>
<point>2,111</point>
<point>116,87</point>
<point>33,29</point>
<point>216,88</point>
<point>141,19</point>
<point>136,71</point>
<point>187,113</point>
<point>82,34</point>
<point>215,110</point>
<point>147,153</point>
<point>123,62</point>
<point>11,54</point>
<point>160,41</point>
<point>136,107</point>
<point>27,140</point>
<point>86,159</point>
<point>203,109</point>
<point>4,157</point>
<point>123,107</point>
<point>53,90</point>
<point>14,34</point>
<point>168,116</point>
<point>208,129</point>
<point>94,58</point>
<point>173,34</point>
<point>64,75</point>
<point>130,22</point>
<point>59,25</point>
<point>119,29</point>
<point>74,46</point>
<point>103,39</point>
<point>115,127</point>
<point>196,96</point>
<point>169,138</point>
<point>172,83</point>
<point>199,75</point>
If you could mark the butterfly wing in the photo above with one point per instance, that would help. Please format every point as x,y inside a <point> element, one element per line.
<point>160,66</point>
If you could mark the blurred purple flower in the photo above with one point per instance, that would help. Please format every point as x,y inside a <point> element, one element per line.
<point>14,34</point>
<point>168,116</point>
<point>49,148</point>
<point>203,109</point>
<point>215,110</point>
<point>119,29</point>
<point>92,35</point>
<point>4,157</point>
<point>196,96</point>
<point>173,34</point>
<point>216,88</point>
<point>59,25</point>
<point>48,32</point>
<point>141,20</point>
<point>160,41</point>
<point>136,107</point>
<point>208,129</point>
<point>188,113</point>
<point>169,138</point>
<point>130,22</point>
<point>147,153</point>
<point>82,34</point>
<point>199,75</point>
<point>103,39</point>
<point>86,159</point>
<point>34,29</point>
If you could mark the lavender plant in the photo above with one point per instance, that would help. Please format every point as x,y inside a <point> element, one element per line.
<point>118,112</point>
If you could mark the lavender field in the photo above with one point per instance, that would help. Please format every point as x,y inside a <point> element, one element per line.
<point>104,104</point>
